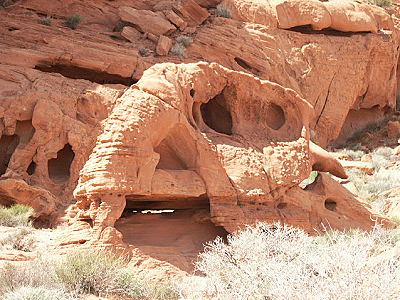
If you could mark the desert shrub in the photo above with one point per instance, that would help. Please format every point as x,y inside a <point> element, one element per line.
<point>79,274</point>
<point>16,215</point>
<point>184,40</point>
<point>21,239</point>
<point>73,21</point>
<point>144,52</point>
<point>127,284</point>
<point>223,11</point>
<point>354,154</point>
<point>45,21</point>
<point>85,272</point>
<point>181,42</point>
<point>36,293</point>
<point>178,50</point>
<point>6,3</point>
<point>381,3</point>
<point>281,262</point>
<point>39,273</point>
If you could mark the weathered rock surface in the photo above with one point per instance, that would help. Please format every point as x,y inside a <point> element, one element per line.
<point>214,136</point>
<point>330,67</point>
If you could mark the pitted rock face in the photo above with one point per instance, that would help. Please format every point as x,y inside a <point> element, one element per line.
<point>189,132</point>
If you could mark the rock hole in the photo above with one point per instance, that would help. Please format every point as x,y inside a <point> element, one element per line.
<point>177,150</point>
<point>59,167</point>
<point>192,93</point>
<point>31,168</point>
<point>75,72</point>
<point>8,144</point>
<point>281,205</point>
<point>330,204</point>
<point>275,116</point>
<point>172,231</point>
<point>216,115</point>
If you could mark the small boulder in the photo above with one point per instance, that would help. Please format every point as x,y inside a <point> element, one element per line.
<point>393,129</point>
<point>191,12</point>
<point>130,33</point>
<point>164,45</point>
<point>146,20</point>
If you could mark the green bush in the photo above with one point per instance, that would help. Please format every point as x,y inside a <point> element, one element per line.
<point>73,21</point>
<point>89,272</point>
<point>16,215</point>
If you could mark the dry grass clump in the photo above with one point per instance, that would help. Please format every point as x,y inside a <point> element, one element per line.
<point>78,274</point>
<point>223,11</point>
<point>16,215</point>
<point>281,262</point>
<point>385,177</point>
<point>181,42</point>
<point>73,21</point>
<point>20,239</point>
<point>40,293</point>
<point>381,3</point>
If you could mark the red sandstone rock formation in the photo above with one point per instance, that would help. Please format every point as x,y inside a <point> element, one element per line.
<point>293,72</point>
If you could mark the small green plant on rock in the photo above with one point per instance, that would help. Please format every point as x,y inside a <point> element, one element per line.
<point>73,21</point>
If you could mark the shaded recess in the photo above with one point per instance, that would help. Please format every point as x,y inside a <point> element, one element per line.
<point>216,114</point>
<point>31,168</point>
<point>330,204</point>
<point>75,72</point>
<point>59,167</point>
<point>177,150</point>
<point>169,233</point>
<point>245,65</point>
<point>8,144</point>
<point>275,116</point>
<point>307,29</point>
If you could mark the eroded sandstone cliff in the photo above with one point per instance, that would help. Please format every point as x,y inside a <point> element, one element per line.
<point>224,138</point>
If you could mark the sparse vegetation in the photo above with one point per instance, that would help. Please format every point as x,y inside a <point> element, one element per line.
<point>184,40</point>
<point>144,52</point>
<point>16,215</point>
<point>281,262</point>
<point>354,154</point>
<point>77,274</point>
<point>20,239</point>
<point>181,42</point>
<point>45,21</point>
<point>37,293</point>
<point>119,26</point>
<point>381,3</point>
<point>6,3</point>
<point>73,21</point>
<point>223,11</point>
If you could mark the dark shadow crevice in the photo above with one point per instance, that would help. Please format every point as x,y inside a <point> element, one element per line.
<point>75,72</point>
